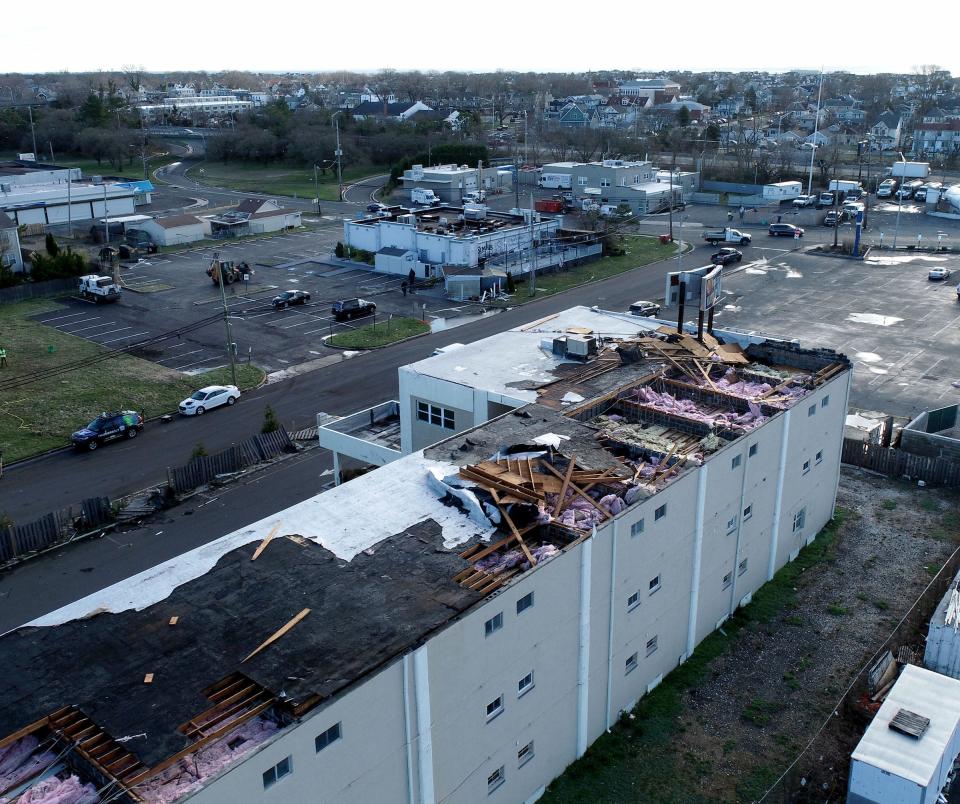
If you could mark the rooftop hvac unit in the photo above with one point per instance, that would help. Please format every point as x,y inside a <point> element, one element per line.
<point>412,219</point>
<point>581,347</point>
<point>443,222</point>
<point>5,188</point>
<point>560,346</point>
<point>97,179</point>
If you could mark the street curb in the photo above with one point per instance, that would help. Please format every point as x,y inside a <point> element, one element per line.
<point>375,348</point>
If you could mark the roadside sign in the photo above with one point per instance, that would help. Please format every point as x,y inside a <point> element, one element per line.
<point>711,288</point>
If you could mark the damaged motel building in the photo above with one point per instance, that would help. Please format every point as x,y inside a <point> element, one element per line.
<point>465,620</point>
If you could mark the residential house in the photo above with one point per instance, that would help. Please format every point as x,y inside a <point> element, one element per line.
<point>845,110</point>
<point>730,107</point>
<point>252,216</point>
<point>650,91</point>
<point>930,138</point>
<point>886,132</point>
<point>568,115</point>
<point>171,230</point>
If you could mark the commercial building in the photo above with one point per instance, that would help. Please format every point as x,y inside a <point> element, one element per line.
<point>59,203</point>
<point>446,242</point>
<point>10,256</point>
<point>170,230</point>
<point>252,216</point>
<point>465,621</point>
<point>23,173</point>
<point>450,183</point>
<point>649,91</point>
<point>615,182</point>
<point>191,106</point>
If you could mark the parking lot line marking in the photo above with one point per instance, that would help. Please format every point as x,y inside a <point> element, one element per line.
<point>123,338</point>
<point>59,317</point>
<point>178,346</point>
<point>84,329</point>
<point>188,365</point>
<point>180,355</point>
<point>301,324</point>
<point>109,332</point>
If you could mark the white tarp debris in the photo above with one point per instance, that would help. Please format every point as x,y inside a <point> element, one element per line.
<point>550,440</point>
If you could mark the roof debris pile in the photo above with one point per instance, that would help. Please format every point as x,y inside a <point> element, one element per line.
<point>23,760</point>
<point>57,790</point>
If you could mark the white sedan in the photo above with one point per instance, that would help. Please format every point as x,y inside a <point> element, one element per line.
<point>210,397</point>
<point>938,274</point>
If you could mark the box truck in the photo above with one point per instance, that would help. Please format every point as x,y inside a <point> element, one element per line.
<point>843,186</point>
<point>910,170</point>
<point>556,181</point>
<point>418,195</point>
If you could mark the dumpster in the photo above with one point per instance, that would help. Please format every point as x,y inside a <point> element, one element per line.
<point>665,238</point>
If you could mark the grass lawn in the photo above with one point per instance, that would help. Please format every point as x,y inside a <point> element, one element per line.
<point>640,251</point>
<point>43,414</point>
<point>278,179</point>
<point>379,334</point>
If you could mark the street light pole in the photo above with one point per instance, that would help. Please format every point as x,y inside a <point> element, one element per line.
<point>338,153</point>
<point>816,127</point>
<point>903,175</point>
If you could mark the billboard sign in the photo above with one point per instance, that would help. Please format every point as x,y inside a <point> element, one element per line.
<point>692,280</point>
<point>710,288</point>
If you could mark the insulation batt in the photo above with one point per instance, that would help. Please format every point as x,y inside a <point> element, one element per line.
<point>21,760</point>
<point>59,791</point>
<point>694,410</point>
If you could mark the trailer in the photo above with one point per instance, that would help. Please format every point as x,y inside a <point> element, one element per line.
<point>551,205</point>
<point>782,190</point>
<point>844,186</point>
<point>910,170</point>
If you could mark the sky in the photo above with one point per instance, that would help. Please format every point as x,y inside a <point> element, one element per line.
<point>538,36</point>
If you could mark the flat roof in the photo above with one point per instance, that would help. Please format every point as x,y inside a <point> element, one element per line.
<point>930,695</point>
<point>421,533</point>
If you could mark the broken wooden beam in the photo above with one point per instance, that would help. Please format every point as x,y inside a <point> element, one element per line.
<point>263,545</point>
<point>279,633</point>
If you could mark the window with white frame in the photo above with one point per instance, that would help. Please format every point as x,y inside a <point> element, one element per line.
<point>495,779</point>
<point>525,754</point>
<point>654,584</point>
<point>631,664</point>
<point>525,684</point>
<point>436,415</point>
<point>273,775</point>
<point>493,625</point>
<point>732,524</point>
<point>752,451</point>
<point>819,457</point>
<point>742,566</point>
<point>806,466</point>
<point>636,528</point>
<point>652,645</point>
<point>747,512</point>
<point>324,739</point>
<point>582,180</point>
<point>735,461</point>
<point>660,512</point>
<point>727,580</point>
<point>633,601</point>
<point>494,708</point>
<point>799,519</point>
<point>525,602</point>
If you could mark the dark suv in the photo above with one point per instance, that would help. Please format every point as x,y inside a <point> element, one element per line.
<point>352,308</point>
<point>784,230</point>
<point>108,427</point>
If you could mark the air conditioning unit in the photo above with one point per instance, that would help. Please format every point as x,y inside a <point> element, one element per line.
<point>581,346</point>
<point>6,188</point>
<point>411,219</point>
<point>560,346</point>
<point>96,179</point>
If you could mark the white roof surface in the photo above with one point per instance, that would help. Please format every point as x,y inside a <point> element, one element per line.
<point>516,355</point>
<point>928,694</point>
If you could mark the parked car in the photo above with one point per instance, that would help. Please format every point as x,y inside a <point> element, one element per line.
<point>855,194</point>
<point>784,230</point>
<point>826,199</point>
<point>645,308</point>
<point>725,256</point>
<point>346,309</point>
<point>833,218</point>
<point>804,201</point>
<point>108,427</point>
<point>375,207</point>
<point>289,297</point>
<point>213,396</point>
<point>938,274</point>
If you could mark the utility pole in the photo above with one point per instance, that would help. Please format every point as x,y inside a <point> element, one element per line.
<point>903,175</point>
<point>316,187</point>
<point>33,133</point>
<point>533,254</point>
<point>816,126</point>
<point>226,318</point>
<point>338,153</point>
<point>672,169</point>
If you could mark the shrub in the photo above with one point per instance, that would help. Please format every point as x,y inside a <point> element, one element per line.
<point>199,451</point>
<point>270,422</point>
<point>339,251</point>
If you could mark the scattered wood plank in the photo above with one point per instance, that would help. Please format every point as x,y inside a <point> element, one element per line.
<point>174,620</point>
<point>263,545</point>
<point>587,497</point>
<point>516,533</point>
<point>566,482</point>
<point>279,633</point>
<point>148,678</point>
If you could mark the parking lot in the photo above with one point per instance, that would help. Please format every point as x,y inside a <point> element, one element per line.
<point>170,298</point>
<point>901,330</point>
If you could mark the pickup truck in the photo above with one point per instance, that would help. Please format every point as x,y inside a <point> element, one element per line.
<point>804,201</point>
<point>727,235</point>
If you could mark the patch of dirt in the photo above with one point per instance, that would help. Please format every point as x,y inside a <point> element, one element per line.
<point>772,690</point>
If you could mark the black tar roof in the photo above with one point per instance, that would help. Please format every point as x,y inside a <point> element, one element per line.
<point>363,613</point>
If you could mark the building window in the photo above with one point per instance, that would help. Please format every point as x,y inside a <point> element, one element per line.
<point>525,754</point>
<point>525,602</point>
<point>273,775</point>
<point>582,180</point>
<point>631,664</point>
<point>633,601</point>
<point>735,462</point>
<point>493,625</point>
<point>742,567</point>
<point>494,708</point>
<point>636,528</point>
<point>525,684</point>
<point>825,401</point>
<point>604,182</point>
<point>732,524</point>
<point>495,779</point>
<point>654,584</point>
<point>752,451</point>
<point>661,512</point>
<point>727,580</point>
<point>819,457</point>
<point>747,512</point>
<point>651,646</point>
<point>435,415</point>
<point>331,735</point>
<point>799,519</point>
<point>812,410</point>
<point>806,466</point>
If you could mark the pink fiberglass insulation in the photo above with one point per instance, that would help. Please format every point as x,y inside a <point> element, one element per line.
<point>612,503</point>
<point>690,409</point>
<point>22,760</point>
<point>60,791</point>
<point>192,771</point>
<point>500,562</point>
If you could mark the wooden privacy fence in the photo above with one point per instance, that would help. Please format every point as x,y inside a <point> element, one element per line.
<point>897,463</point>
<point>19,541</point>
<point>236,458</point>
